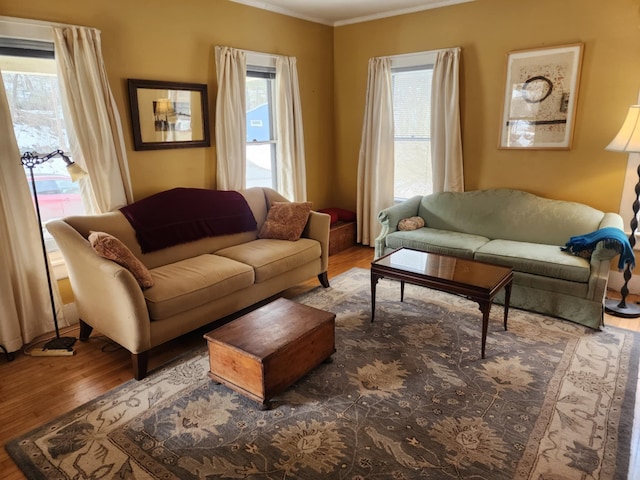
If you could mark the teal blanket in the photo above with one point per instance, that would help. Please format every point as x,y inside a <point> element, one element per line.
<point>614,238</point>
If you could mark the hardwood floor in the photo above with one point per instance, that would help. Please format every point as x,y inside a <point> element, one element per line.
<point>35,390</point>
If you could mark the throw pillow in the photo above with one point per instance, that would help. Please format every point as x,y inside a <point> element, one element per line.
<point>411,223</point>
<point>285,220</point>
<point>111,248</point>
<point>339,214</point>
<point>346,215</point>
<point>332,213</point>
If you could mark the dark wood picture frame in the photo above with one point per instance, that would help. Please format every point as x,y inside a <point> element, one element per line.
<point>168,114</point>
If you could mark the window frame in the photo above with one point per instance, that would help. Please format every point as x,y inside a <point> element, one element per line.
<point>39,46</point>
<point>261,65</point>
<point>406,63</point>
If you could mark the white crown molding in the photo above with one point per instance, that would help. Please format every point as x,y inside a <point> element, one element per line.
<point>383,13</point>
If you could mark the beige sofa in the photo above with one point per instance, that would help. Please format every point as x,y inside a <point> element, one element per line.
<point>195,283</point>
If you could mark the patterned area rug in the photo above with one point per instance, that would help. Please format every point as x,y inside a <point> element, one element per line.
<point>405,397</point>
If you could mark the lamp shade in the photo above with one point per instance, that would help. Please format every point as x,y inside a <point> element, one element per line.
<point>163,105</point>
<point>628,138</point>
<point>75,172</point>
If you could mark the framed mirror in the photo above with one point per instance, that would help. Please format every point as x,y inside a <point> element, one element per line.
<point>168,114</point>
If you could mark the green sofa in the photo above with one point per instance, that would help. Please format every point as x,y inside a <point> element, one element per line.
<point>517,229</point>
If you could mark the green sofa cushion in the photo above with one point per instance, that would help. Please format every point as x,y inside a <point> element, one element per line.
<point>545,260</point>
<point>189,283</point>
<point>437,241</point>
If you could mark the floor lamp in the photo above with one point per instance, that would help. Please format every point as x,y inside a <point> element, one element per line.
<point>628,140</point>
<point>30,160</point>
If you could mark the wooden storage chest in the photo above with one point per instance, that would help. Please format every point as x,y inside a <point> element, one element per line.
<point>265,351</point>
<point>341,236</point>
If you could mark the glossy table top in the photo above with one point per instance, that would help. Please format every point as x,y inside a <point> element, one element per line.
<point>443,267</point>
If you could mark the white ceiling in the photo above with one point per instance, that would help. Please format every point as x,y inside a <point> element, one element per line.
<point>342,12</point>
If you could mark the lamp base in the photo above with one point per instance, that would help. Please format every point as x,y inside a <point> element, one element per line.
<point>630,310</point>
<point>61,343</point>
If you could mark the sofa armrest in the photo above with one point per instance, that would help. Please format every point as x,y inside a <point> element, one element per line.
<point>389,218</point>
<point>317,228</point>
<point>601,252</point>
<point>107,295</point>
<point>601,260</point>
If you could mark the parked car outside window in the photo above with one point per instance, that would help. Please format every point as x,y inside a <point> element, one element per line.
<point>58,197</point>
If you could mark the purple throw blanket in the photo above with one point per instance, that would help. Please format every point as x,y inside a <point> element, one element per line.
<point>183,215</point>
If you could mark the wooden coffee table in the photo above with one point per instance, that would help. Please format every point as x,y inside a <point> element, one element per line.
<point>267,350</point>
<point>475,280</point>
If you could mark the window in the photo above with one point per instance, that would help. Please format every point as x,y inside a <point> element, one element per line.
<point>261,141</point>
<point>31,84</point>
<point>411,82</point>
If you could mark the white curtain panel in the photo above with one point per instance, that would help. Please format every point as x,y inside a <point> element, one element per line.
<point>94,115</point>
<point>231,118</point>
<point>292,181</point>
<point>446,141</point>
<point>25,305</point>
<point>375,162</point>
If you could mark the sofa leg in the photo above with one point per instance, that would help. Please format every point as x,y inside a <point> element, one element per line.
<point>139,364</point>
<point>85,331</point>
<point>324,279</point>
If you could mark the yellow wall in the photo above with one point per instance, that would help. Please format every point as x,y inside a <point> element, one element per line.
<point>486,30</point>
<point>174,41</point>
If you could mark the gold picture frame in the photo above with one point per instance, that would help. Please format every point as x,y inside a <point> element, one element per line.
<point>541,93</point>
<point>168,114</point>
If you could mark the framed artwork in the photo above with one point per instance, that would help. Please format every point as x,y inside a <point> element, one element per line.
<point>541,91</point>
<point>168,114</point>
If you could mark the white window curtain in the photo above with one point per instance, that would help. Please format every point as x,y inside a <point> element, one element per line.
<point>231,126</point>
<point>94,116</point>
<point>446,140</point>
<point>25,305</point>
<point>231,119</point>
<point>292,182</point>
<point>375,162</point>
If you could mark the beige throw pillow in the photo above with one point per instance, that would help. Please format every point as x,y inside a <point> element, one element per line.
<point>411,223</point>
<point>285,220</point>
<point>111,248</point>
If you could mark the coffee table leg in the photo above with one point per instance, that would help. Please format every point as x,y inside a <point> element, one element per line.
<point>374,282</point>
<point>402,290</point>
<point>485,308</point>
<point>507,298</point>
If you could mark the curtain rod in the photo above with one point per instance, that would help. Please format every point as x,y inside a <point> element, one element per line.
<point>412,54</point>
<point>252,52</point>
<point>37,23</point>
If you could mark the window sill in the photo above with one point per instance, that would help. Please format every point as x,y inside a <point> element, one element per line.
<point>58,265</point>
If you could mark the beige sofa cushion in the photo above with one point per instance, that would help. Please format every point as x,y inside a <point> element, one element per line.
<point>270,258</point>
<point>117,225</point>
<point>189,283</point>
